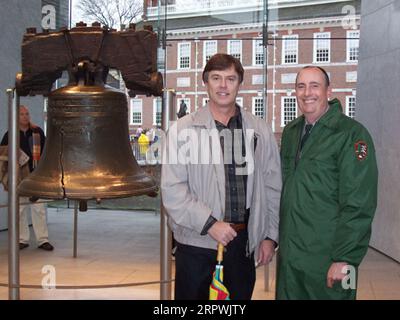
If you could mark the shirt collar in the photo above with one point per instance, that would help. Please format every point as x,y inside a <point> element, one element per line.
<point>235,119</point>
<point>313,123</point>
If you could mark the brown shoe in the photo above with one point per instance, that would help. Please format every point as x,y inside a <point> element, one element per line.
<point>23,246</point>
<point>46,246</point>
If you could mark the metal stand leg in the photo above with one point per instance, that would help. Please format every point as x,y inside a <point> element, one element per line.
<point>168,114</point>
<point>75,229</point>
<point>165,256</point>
<point>13,201</point>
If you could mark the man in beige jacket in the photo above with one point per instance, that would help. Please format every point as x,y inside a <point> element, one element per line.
<point>221,183</point>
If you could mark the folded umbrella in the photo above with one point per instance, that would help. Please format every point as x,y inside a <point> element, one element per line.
<point>217,289</point>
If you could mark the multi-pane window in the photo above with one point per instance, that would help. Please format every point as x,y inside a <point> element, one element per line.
<point>157,102</point>
<point>353,45</point>
<point>258,53</point>
<point>322,47</point>
<point>235,48</point>
<point>136,111</point>
<point>290,48</point>
<point>258,107</point>
<point>351,106</point>
<point>210,48</point>
<point>184,55</point>
<point>160,58</point>
<point>289,110</point>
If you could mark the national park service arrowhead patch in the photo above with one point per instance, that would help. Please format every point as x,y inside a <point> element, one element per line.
<point>361,150</point>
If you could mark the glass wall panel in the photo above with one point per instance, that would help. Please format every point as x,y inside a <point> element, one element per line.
<point>296,33</point>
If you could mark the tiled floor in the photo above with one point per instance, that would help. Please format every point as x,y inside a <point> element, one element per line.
<point>122,247</point>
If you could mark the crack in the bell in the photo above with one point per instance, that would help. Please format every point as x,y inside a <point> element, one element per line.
<point>61,162</point>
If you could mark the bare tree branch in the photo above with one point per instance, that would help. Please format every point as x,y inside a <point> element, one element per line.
<point>111,13</point>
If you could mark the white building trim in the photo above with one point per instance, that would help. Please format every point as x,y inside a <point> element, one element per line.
<point>257,27</point>
<point>186,8</point>
<point>299,66</point>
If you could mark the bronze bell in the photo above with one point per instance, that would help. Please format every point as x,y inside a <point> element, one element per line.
<point>87,154</point>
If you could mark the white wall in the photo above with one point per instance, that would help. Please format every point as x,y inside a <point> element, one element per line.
<point>378,108</point>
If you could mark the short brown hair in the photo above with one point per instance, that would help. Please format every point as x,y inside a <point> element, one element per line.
<point>325,74</point>
<point>222,61</point>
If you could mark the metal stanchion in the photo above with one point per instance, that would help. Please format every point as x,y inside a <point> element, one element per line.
<point>75,229</point>
<point>168,114</point>
<point>13,201</point>
<point>265,97</point>
<point>165,257</point>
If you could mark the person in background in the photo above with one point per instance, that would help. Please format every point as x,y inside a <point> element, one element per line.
<point>144,143</point>
<point>182,110</point>
<point>32,141</point>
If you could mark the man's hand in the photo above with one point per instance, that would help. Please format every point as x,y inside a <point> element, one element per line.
<point>222,232</point>
<point>336,272</point>
<point>266,252</point>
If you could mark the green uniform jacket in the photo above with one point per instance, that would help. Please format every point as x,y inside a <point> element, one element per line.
<point>327,205</point>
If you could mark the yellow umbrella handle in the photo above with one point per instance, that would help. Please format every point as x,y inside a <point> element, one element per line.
<point>220,254</point>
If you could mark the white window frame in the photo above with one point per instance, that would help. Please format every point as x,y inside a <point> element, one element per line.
<point>288,78</point>
<point>258,49</point>
<point>258,77</point>
<point>352,43</point>
<point>157,101</point>
<point>326,37</point>
<point>351,76</point>
<point>286,40</point>
<point>239,101</point>
<point>240,48</point>
<point>160,58</point>
<point>132,111</point>
<point>179,55</point>
<point>179,81</point>
<point>205,53</point>
<point>283,109</point>
<point>45,104</point>
<point>348,102</point>
<point>187,101</point>
<point>45,108</point>
<point>253,106</point>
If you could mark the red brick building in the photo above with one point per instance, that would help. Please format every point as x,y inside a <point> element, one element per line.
<point>300,33</point>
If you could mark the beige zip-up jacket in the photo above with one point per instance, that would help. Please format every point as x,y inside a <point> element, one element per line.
<point>193,178</point>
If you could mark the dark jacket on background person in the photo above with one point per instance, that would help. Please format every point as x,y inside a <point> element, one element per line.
<point>26,142</point>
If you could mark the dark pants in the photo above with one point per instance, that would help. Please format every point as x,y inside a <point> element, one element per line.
<point>195,267</point>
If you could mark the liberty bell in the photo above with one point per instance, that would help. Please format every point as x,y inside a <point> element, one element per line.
<point>87,154</point>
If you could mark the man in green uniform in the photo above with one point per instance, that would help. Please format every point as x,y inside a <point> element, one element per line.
<point>329,195</point>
